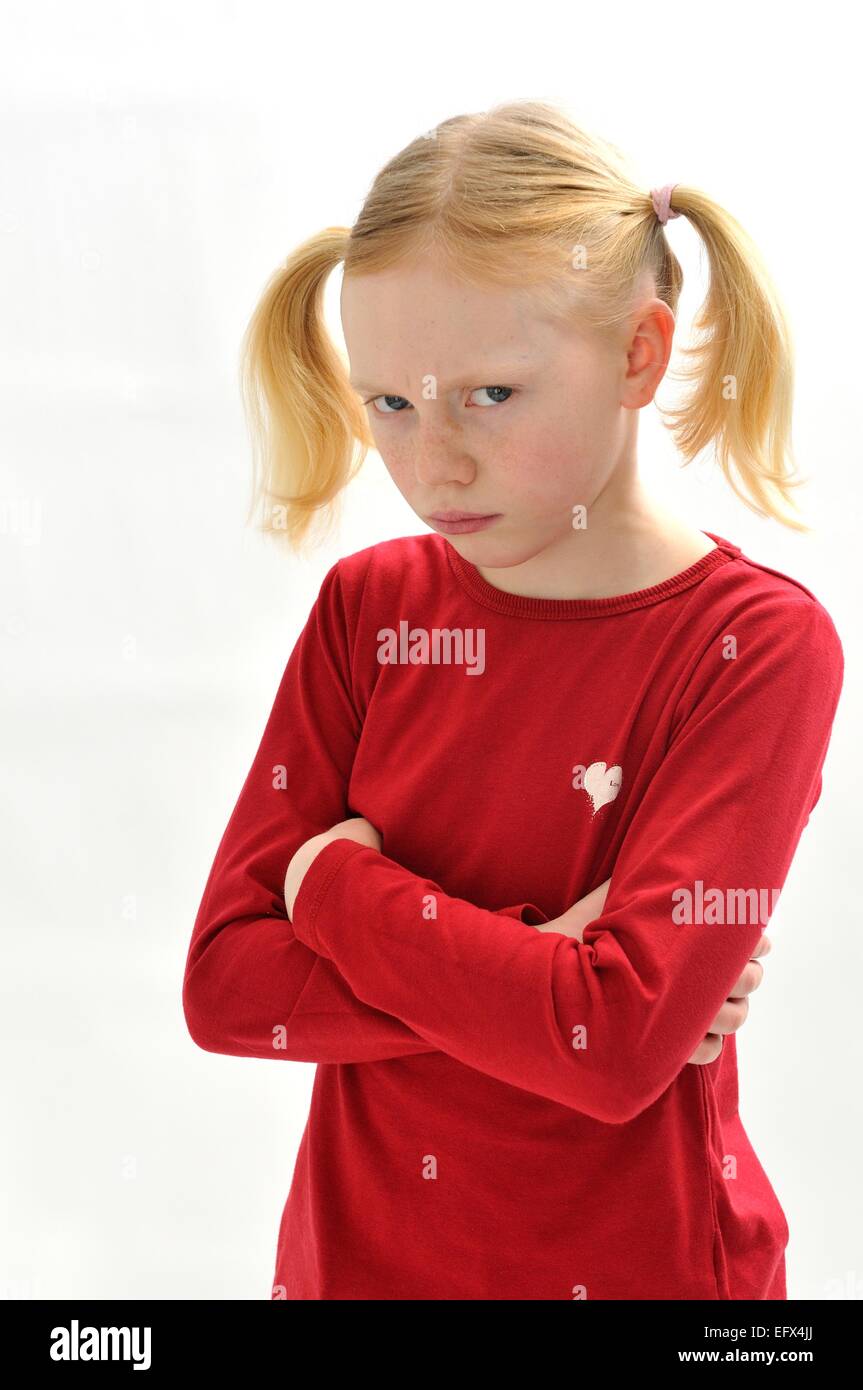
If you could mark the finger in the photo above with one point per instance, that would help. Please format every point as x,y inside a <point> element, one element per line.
<point>764,945</point>
<point>753,974</point>
<point>707,1051</point>
<point>731,1016</point>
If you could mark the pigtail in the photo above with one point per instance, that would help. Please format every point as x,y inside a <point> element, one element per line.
<point>305,419</point>
<point>743,368</point>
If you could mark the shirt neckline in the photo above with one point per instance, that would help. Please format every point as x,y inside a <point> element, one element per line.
<point>521,606</point>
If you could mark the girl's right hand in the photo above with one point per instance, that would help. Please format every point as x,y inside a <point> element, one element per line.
<point>575,919</point>
<point>734,1011</point>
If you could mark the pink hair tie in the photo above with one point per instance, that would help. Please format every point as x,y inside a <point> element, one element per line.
<point>662,202</point>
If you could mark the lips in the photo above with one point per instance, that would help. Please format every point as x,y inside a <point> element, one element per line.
<point>460,516</point>
<point>467,522</point>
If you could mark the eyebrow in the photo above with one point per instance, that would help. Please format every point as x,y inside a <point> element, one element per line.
<point>496,377</point>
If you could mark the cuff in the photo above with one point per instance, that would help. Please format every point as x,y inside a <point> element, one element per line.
<point>525,912</point>
<point>316,881</point>
<point>323,869</point>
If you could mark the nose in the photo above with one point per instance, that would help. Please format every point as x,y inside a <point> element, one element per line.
<point>440,457</point>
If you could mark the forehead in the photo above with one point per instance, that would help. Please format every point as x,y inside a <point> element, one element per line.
<point>422,308</point>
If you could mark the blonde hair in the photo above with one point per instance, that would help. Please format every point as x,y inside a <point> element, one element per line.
<point>517,196</point>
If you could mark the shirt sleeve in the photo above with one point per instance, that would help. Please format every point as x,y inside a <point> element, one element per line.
<point>250,987</point>
<point>605,1025</point>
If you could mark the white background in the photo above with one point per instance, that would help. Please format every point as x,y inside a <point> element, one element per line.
<point>159,161</point>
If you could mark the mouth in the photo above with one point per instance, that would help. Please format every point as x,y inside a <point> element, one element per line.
<point>456,522</point>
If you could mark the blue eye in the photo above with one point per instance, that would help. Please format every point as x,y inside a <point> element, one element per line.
<point>375,399</point>
<point>403,403</point>
<point>494,388</point>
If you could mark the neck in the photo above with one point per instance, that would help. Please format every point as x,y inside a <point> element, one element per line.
<point>630,542</point>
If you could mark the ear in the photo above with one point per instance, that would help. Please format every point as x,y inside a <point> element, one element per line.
<point>648,352</point>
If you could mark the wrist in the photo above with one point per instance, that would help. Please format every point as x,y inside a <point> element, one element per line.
<point>301,862</point>
<point>572,924</point>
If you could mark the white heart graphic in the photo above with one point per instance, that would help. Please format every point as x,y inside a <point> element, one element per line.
<point>602,784</point>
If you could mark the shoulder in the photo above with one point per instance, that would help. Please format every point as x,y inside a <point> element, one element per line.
<point>760,641</point>
<point>770,606</point>
<point>373,577</point>
<point>378,587</point>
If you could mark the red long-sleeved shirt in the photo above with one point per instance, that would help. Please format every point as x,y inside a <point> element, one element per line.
<point>502,1113</point>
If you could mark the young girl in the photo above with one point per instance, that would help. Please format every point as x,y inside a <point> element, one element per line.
<point>558,694</point>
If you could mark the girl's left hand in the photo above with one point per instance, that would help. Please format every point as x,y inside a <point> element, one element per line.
<point>734,1011</point>
<point>355,828</point>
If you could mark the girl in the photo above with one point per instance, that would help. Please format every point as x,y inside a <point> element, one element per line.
<point>558,694</point>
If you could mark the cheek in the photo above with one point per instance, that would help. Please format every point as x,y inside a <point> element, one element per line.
<point>383,443</point>
<point>398,461</point>
<point>543,469</point>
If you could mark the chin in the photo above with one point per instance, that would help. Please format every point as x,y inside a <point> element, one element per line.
<point>492,553</point>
